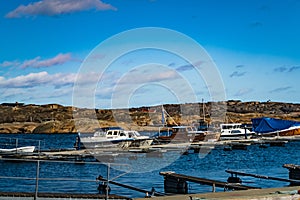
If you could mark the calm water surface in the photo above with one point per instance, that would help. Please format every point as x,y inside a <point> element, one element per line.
<point>144,170</point>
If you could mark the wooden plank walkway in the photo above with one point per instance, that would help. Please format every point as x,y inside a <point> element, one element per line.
<point>205,181</point>
<point>286,193</point>
<point>263,176</point>
<point>49,196</point>
<point>130,187</point>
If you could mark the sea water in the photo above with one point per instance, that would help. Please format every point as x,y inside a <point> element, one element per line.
<point>142,170</point>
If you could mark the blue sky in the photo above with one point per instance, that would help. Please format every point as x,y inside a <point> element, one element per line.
<point>255,45</point>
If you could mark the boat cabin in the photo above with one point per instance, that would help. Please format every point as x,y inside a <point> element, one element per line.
<point>122,133</point>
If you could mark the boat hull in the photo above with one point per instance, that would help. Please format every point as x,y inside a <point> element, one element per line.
<point>290,132</point>
<point>106,144</point>
<point>234,136</point>
<point>27,149</point>
<point>286,132</point>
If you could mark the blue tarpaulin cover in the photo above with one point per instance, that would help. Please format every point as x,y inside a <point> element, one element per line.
<point>266,124</point>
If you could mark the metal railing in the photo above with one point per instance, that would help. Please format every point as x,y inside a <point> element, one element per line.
<point>37,177</point>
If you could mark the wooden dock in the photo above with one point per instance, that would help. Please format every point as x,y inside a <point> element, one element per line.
<point>292,181</point>
<point>53,196</point>
<point>294,172</point>
<point>183,148</point>
<point>130,187</point>
<point>171,176</point>
<point>286,193</point>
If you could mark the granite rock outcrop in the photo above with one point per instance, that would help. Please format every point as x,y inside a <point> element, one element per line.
<point>55,118</point>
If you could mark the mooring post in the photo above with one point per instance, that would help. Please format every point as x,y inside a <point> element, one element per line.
<point>37,180</point>
<point>39,150</point>
<point>107,182</point>
<point>245,132</point>
<point>17,145</point>
<point>213,187</point>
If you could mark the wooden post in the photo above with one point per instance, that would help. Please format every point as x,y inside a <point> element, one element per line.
<point>107,183</point>
<point>175,185</point>
<point>214,187</point>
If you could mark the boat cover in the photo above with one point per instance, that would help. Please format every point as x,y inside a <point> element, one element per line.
<point>267,125</point>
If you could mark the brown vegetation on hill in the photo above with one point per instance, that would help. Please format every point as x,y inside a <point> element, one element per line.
<point>54,118</point>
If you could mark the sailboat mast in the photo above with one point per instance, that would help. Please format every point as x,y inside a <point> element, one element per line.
<point>162,115</point>
<point>203,111</point>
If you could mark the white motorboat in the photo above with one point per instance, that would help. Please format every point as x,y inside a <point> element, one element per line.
<point>26,149</point>
<point>235,131</point>
<point>115,137</point>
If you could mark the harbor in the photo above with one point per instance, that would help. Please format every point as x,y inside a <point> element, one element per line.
<point>205,165</point>
<point>154,99</point>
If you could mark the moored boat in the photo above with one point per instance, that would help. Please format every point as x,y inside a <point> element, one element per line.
<point>25,149</point>
<point>235,131</point>
<point>266,126</point>
<point>183,133</point>
<point>115,137</point>
<point>179,134</point>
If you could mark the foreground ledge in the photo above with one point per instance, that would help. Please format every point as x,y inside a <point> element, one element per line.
<point>285,193</point>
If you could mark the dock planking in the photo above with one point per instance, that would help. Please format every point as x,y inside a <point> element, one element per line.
<point>206,181</point>
<point>130,187</point>
<point>263,176</point>
<point>49,196</point>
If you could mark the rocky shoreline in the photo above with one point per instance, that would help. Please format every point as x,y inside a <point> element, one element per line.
<point>55,118</point>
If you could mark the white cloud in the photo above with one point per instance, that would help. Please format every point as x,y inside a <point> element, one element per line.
<point>58,7</point>
<point>43,87</point>
<point>55,80</point>
<point>37,79</point>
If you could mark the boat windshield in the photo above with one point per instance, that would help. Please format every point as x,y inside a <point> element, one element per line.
<point>133,134</point>
<point>230,126</point>
<point>122,133</point>
<point>99,134</point>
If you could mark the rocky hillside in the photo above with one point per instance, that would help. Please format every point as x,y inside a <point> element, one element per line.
<point>54,118</point>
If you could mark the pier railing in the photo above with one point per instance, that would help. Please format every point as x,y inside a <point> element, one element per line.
<point>37,178</point>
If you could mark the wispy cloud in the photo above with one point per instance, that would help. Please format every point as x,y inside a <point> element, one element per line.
<point>280,89</point>
<point>137,77</point>
<point>293,68</point>
<point>281,69</point>
<point>58,7</point>
<point>239,66</point>
<point>185,68</point>
<point>39,63</point>
<point>286,69</point>
<point>243,92</point>
<point>172,64</point>
<point>237,74</point>
<point>38,79</point>
<point>9,63</point>
<point>189,66</point>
